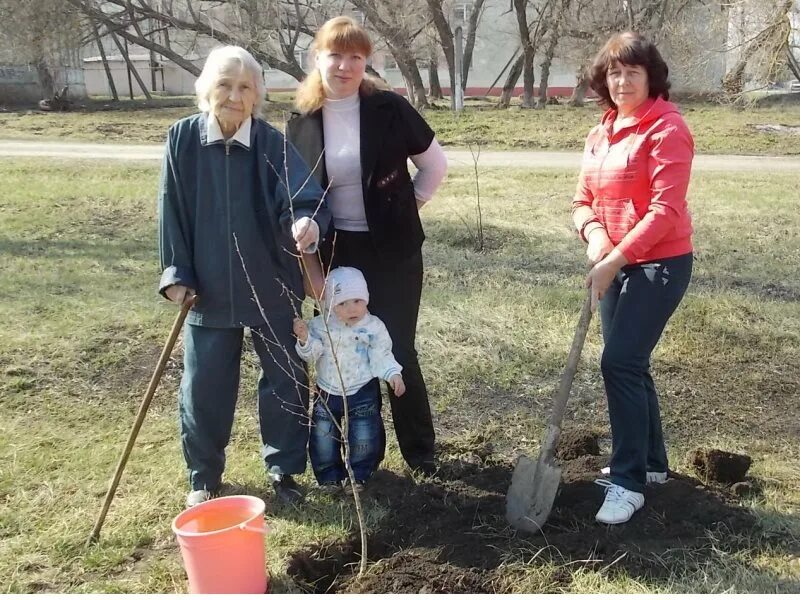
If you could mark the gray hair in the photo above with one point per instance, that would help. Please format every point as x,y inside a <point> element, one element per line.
<point>229,60</point>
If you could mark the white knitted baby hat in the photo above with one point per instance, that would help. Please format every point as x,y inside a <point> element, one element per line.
<point>346,283</point>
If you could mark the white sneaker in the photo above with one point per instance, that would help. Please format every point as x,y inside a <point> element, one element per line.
<point>197,497</point>
<point>619,505</point>
<point>652,476</point>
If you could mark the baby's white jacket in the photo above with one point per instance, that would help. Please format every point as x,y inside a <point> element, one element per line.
<point>364,351</point>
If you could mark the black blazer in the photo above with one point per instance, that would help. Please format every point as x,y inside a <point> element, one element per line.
<point>391,130</point>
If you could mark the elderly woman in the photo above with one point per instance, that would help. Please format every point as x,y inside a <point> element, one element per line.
<point>235,203</point>
<point>368,134</point>
<point>630,208</point>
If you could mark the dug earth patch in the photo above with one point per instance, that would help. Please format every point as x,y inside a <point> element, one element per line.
<point>448,534</point>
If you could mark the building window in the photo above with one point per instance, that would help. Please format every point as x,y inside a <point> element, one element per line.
<point>461,12</point>
<point>359,17</point>
<point>300,57</point>
<point>389,62</point>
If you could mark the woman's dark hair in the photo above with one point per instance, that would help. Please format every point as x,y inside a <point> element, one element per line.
<point>629,48</point>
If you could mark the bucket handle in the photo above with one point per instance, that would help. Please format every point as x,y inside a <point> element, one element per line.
<point>246,527</point>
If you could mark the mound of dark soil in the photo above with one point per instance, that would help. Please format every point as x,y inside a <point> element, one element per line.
<point>449,534</point>
<point>423,572</point>
<point>719,466</point>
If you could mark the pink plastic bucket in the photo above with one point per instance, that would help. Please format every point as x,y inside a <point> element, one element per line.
<point>222,544</point>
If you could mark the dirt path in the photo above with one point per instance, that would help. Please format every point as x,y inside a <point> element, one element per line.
<point>456,157</point>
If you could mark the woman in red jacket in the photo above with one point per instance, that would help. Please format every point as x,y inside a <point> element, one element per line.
<point>630,208</point>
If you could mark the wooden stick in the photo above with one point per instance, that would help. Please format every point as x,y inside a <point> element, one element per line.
<point>137,425</point>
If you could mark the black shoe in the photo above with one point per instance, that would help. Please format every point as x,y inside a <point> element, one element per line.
<point>287,491</point>
<point>426,468</point>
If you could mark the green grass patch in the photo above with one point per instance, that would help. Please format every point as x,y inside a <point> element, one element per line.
<point>717,129</point>
<point>83,328</point>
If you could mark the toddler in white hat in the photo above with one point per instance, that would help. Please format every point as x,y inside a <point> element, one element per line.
<point>348,335</point>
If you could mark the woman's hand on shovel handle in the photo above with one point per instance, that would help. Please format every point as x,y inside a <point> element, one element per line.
<point>178,293</point>
<point>603,273</point>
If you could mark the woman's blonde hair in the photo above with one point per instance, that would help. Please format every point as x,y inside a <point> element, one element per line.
<point>223,62</point>
<point>342,34</point>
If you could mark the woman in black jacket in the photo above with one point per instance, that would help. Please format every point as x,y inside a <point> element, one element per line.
<point>360,137</point>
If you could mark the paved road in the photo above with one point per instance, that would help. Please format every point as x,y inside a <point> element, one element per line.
<point>456,157</point>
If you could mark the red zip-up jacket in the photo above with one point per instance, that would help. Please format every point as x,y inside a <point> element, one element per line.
<point>636,181</point>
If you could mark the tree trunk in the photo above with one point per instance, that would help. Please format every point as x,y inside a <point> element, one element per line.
<point>511,83</point>
<point>109,76</point>
<point>556,17</point>
<point>581,87</point>
<point>469,46</point>
<point>733,81</point>
<point>132,69</point>
<point>446,41</point>
<point>45,78</point>
<point>520,7</point>
<point>433,79</point>
<point>415,87</point>
<point>794,64</point>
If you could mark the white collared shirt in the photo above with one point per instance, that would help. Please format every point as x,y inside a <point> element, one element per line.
<point>242,135</point>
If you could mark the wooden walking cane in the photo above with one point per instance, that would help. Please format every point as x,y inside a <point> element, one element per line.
<point>137,425</point>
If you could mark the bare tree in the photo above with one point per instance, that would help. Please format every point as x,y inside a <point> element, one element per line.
<point>584,25</point>
<point>112,86</point>
<point>762,45</point>
<point>434,85</point>
<point>400,27</point>
<point>270,30</point>
<point>578,96</point>
<point>528,51</point>
<point>472,32</point>
<point>556,16</point>
<point>44,34</point>
<point>529,40</point>
<point>445,33</point>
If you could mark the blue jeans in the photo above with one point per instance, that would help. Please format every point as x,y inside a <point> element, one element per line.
<point>209,390</point>
<point>366,436</point>
<point>634,312</point>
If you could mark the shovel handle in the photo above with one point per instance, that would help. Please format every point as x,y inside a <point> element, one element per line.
<point>148,397</point>
<point>567,377</point>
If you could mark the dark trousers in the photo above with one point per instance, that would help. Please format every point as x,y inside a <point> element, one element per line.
<point>209,389</point>
<point>395,289</point>
<point>365,434</point>
<point>634,312</point>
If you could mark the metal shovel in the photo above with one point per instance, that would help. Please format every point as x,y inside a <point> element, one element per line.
<point>534,485</point>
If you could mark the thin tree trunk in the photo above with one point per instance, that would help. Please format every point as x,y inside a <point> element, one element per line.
<point>132,68</point>
<point>511,82</point>
<point>445,35</point>
<point>581,87</point>
<point>433,79</point>
<point>45,78</point>
<point>502,72</point>
<point>794,64</point>
<point>109,76</point>
<point>416,88</point>
<point>520,7</point>
<point>469,46</point>
<point>556,17</point>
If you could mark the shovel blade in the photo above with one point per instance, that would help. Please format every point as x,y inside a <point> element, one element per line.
<point>533,490</point>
